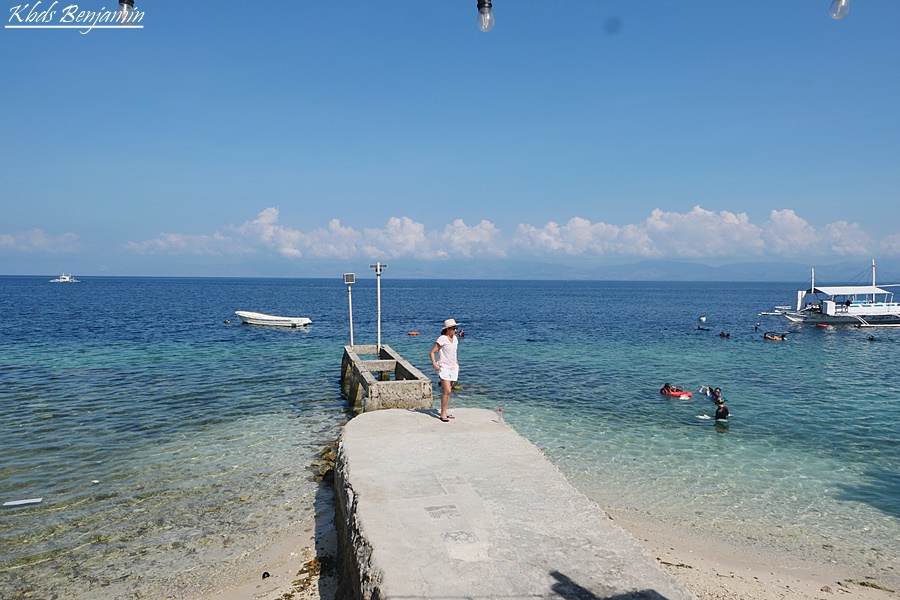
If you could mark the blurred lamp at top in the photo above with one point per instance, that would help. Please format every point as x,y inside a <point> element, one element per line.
<point>839,9</point>
<point>126,9</point>
<point>485,16</point>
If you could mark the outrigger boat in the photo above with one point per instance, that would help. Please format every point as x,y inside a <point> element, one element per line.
<point>859,305</point>
<point>65,279</point>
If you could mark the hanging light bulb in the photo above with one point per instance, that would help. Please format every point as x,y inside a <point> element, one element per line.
<point>485,16</point>
<point>839,9</point>
<point>126,10</point>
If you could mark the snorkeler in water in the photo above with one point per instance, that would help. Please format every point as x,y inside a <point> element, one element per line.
<point>714,394</point>
<point>721,410</point>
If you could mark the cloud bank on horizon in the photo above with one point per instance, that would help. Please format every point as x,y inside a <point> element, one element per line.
<point>696,235</point>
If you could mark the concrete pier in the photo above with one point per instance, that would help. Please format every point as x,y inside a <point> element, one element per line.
<point>471,509</point>
<point>386,381</point>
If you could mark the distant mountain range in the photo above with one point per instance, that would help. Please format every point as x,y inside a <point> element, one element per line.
<point>855,271</point>
<point>661,270</point>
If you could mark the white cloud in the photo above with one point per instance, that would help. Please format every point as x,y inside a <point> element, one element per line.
<point>787,234</point>
<point>579,237</point>
<point>459,239</point>
<point>37,240</point>
<point>400,237</point>
<point>696,234</point>
<point>891,244</point>
<point>703,233</point>
<point>179,243</point>
<point>847,239</point>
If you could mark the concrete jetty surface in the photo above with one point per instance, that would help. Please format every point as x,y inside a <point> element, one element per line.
<point>471,509</point>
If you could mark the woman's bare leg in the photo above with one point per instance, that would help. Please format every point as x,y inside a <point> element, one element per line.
<point>445,397</point>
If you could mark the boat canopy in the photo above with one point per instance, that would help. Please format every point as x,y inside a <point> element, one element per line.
<point>850,290</point>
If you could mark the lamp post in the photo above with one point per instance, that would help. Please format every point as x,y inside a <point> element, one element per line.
<point>350,279</point>
<point>378,269</point>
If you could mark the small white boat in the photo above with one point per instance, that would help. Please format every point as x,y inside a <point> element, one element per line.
<point>64,279</point>
<point>255,318</point>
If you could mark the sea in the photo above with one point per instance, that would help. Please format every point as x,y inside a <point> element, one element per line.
<point>168,442</point>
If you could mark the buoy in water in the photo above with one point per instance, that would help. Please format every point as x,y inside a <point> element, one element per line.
<point>702,319</point>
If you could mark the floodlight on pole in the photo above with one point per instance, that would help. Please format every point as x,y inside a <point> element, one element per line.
<point>378,269</point>
<point>350,279</point>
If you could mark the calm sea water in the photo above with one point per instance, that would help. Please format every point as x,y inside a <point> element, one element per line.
<point>166,442</point>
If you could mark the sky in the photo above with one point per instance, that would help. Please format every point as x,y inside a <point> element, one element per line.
<point>308,139</point>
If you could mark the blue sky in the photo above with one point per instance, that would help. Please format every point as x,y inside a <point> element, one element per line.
<point>312,138</point>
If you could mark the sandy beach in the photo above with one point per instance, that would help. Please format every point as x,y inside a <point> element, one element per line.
<point>301,568</point>
<point>716,570</point>
<point>298,567</point>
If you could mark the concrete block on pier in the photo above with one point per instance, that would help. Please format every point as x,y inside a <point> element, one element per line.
<point>385,381</point>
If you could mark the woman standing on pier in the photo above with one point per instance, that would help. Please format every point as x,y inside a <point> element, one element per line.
<point>446,364</point>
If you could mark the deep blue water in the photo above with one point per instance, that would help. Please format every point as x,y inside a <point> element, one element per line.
<point>196,430</point>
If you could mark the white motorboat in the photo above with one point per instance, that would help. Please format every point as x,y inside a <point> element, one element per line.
<point>255,318</point>
<point>64,279</point>
<point>859,305</point>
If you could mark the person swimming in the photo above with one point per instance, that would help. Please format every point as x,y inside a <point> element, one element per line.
<point>670,389</point>
<point>721,410</point>
<point>714,394</point>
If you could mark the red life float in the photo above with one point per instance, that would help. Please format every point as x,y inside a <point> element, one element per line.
<point>675,393</point>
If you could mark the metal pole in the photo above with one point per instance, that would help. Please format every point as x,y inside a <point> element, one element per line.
<point>378,269</point>
<point>350,279</point>
<point>378,283</point>
<point>350,304</point>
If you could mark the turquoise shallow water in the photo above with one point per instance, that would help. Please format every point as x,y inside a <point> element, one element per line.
<point>199,431</point>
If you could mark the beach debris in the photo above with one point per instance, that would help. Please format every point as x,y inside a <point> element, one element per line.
<point>23,502</point>
<point>870,584</point>
<point>266,575</point>
<point>679,565</point>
